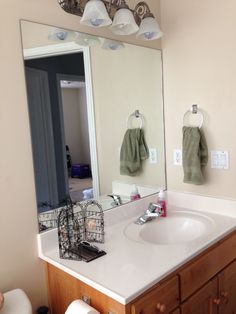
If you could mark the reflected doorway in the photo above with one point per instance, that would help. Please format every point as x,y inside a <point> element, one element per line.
<point>72,96</point>
<point>53,181</point>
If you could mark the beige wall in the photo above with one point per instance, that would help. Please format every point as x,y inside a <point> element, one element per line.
<point>84,125</point>
<point>76,123</point>
<point>134,81</point>
<point>199,67</point>
<point>19,264</point>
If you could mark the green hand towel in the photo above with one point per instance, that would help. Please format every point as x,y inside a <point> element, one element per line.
<point>195,154</point>
<point>133,151</point>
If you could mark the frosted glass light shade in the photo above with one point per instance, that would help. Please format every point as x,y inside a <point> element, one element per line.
<point>149,29</point>
<point>95,14</point>
<point>58,34</point>
<point>109,44</point>
<point>124,23</point>
<point>87,40</point>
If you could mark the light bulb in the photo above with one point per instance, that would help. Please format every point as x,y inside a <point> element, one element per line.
<point>149,35</point>
<point>96,22</point>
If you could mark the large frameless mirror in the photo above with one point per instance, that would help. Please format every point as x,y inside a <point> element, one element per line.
<point>84,92</point>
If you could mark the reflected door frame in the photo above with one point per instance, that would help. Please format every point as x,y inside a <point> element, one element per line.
<point>68,48</point>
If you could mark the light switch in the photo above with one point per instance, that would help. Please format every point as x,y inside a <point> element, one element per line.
<point>177,157</point>
<point>152,155</point>
<point>220,159</point>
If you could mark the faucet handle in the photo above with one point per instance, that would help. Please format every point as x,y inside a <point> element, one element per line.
<point>116,198</point>
<point>153,208</point>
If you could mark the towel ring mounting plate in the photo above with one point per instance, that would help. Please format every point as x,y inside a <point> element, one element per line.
<point>135,114</point>
<point>194,110</point>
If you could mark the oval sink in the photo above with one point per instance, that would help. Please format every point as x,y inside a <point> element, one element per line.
<point>178,227</point>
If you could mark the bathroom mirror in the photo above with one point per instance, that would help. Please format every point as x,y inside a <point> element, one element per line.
<point>83,94</point>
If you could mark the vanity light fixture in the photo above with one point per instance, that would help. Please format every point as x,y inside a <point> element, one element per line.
<point>123,20</point>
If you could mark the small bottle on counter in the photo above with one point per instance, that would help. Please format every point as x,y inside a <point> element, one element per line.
<point>162,201</point>
<point>135,194</point>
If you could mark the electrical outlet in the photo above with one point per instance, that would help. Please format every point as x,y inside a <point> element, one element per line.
<point>153,155</point>
<point>177,157</point>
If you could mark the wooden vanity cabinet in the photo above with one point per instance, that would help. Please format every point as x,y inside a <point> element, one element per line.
<point>205,285</point>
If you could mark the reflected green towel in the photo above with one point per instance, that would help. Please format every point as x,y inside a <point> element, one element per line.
<point>133,151</point>
<point>195,154</point>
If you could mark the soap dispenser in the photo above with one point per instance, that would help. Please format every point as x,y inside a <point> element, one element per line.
<point>135,193</point>
<point>162,201</point>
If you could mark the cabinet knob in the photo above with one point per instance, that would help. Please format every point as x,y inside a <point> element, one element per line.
<point>216,301</point>
<point>161,307</point>
<point>224,294</point>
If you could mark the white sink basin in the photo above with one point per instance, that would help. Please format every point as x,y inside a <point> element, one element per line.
<point>179,227</point>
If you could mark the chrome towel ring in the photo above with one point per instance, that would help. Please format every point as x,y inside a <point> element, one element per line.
<point>135,114</point>
<point>193,110</point>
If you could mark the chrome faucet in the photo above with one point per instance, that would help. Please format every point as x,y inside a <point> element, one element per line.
<point>116,198</point>
<point>153,211</point>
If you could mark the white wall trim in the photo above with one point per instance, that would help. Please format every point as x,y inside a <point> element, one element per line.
<point>91,121</point>
<point>51,50</point>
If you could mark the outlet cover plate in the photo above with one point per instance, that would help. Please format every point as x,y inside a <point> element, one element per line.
<point>177,157</point>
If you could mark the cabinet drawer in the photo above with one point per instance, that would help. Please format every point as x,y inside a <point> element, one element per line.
<point>164,297</point>
<point>206,266</point>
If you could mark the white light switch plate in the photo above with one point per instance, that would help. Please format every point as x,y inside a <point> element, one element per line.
<point>177,157</point>
<point>220,159</point>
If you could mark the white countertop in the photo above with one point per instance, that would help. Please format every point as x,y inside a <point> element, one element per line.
<point>130,267</point>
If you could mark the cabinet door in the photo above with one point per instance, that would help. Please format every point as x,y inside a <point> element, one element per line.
<point>162,299</point>
<point>63,289</point>
<point>227,290</point>
<point>204,301</point>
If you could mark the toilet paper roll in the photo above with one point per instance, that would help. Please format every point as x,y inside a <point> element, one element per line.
<point>80,307</point>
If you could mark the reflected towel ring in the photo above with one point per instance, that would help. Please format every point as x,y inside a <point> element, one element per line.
<point>138,115</point>
<point>194,110</point>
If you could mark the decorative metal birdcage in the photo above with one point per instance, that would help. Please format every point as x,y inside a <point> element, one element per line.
<point>94,222</point>
<point>70,231</point>
<point>83,221</point>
